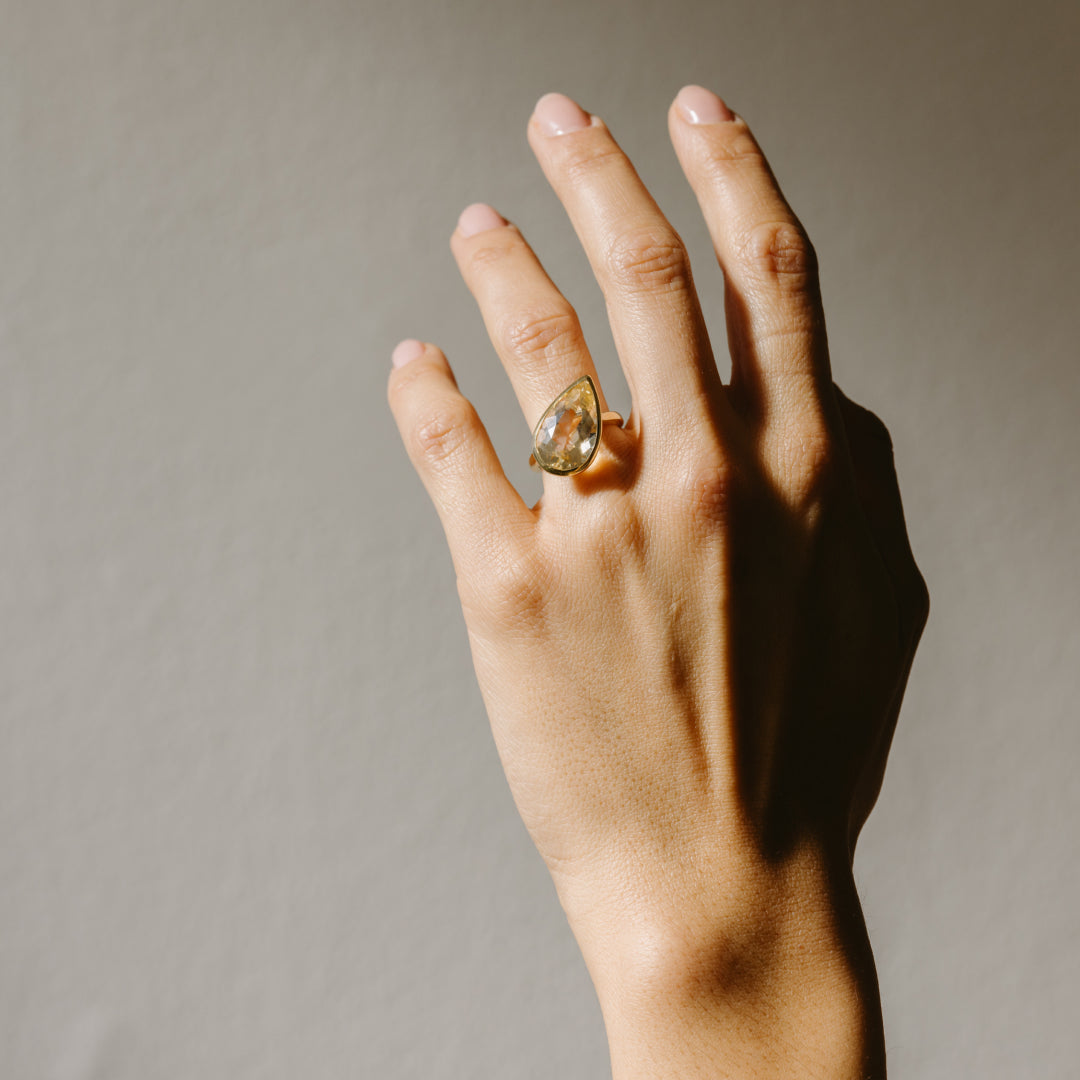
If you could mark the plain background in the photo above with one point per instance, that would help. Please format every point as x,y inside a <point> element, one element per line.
<point>252,824</point>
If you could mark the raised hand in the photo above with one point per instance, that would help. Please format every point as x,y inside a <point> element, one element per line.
<point>693,651</point>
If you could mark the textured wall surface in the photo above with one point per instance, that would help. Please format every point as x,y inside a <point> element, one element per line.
<point>252,824</point>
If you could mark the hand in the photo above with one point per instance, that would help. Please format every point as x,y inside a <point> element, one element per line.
<point>692,653</point>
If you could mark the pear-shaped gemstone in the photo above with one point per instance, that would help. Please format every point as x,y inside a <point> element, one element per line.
<point>568,434</point>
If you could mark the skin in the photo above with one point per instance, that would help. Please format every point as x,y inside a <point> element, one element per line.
<point>693,653</point>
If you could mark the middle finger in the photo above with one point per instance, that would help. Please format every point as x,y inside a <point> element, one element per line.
<point>639,261</point>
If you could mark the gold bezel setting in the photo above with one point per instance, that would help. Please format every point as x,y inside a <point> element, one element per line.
<point>587,407</point>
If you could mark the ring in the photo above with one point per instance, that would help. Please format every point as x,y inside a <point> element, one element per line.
<point>568,435</point>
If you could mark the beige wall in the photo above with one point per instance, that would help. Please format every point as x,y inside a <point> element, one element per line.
<point>251,821</point>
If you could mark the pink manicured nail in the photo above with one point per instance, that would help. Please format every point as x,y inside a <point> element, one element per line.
<point>701,106</point>
<point>407,350</point>
<point>558,115</point>
<point>479,218</point>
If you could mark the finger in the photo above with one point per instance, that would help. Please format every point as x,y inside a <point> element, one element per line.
<point>878,490</point>
<point>484,518</point>
<point>639,261</point>
<point>776,326</point>
<point>534,329</point>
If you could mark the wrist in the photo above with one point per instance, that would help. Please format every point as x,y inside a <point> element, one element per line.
<point>774,977</point>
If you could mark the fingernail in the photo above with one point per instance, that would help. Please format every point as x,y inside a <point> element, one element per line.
<point>479,218</point>
<point>701,106</point>
<point>558,115</point>
<point>406,350</point>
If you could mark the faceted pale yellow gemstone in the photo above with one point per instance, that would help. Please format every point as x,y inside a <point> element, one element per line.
<point>568,434</point>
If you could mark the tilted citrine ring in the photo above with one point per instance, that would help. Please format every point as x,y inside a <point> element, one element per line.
<point>568,435</point>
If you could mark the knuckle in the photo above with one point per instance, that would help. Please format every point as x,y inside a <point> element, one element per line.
<point>614,539</point>
<point>581,160</point>
<point>921,600</point>
<point>540,334</point>
<point>810,466</point>
<point>515,593</point>
<point>738,148</point>
<point>877,430</point>
<point>653,258</point>
<point>620,529</point>
<point>403,380</point>
<point>814,440</point>
<point>868,435</point>
<point>780,251</point>
<point>443,431</point>
<point>710,489</point>
<point>497,246</point>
